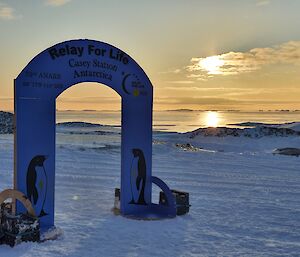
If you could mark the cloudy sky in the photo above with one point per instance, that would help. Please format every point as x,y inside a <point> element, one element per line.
<point>200,54</point>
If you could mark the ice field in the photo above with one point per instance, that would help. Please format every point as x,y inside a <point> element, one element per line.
<point>245,200</point>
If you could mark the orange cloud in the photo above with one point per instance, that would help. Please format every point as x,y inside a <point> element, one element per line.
<point>239,62</point>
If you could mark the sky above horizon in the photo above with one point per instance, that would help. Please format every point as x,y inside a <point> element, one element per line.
<point>206,54</point>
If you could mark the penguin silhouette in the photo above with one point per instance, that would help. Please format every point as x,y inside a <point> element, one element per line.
<point>140,177</point>
<point>31,179</point>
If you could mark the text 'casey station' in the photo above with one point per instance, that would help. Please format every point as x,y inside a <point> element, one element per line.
<point>79,51</point>
<point>76,63</point>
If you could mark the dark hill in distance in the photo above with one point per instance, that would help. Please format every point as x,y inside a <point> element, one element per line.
<point>180,110</point>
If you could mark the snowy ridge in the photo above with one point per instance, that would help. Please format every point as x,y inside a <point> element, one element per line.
<point>256,132</point>
<point>291,125</point>
<point>78,124</point>
<point>96,132</point>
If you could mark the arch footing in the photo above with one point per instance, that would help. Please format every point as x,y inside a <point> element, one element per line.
<point>156,211</point>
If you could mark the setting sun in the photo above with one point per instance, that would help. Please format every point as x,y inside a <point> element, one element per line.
<point>212,119</point>
<point>211,64</point>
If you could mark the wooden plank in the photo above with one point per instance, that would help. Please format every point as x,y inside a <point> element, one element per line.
<point>14,194</point>
<point>15,149</point>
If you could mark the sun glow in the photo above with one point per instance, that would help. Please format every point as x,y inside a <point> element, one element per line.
<point>212,119</point>
<point>212,64</point>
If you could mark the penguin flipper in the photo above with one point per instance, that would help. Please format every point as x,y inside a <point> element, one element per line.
<point>138,182</point>
<point>35,195</point>
<point>141,199</point>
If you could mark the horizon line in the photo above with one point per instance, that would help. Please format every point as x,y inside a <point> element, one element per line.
<point>174,110</point>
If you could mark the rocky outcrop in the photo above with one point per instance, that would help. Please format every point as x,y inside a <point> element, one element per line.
<point>6,122</point>
<point>288,151</point>
<point>256,132</point>
<point>78,124</point>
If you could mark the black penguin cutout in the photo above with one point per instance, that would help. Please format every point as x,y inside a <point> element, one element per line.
<point>138,177</point>
<point>31,179</point>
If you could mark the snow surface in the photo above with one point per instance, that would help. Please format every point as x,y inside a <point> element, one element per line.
<point>245,200</point>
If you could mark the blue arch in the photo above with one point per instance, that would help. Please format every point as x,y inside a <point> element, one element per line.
<point>36,88</point>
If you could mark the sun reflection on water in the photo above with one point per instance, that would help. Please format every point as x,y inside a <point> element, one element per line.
<point>212,119</point>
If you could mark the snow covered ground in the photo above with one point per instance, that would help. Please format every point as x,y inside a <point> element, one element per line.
<point>245,200</point>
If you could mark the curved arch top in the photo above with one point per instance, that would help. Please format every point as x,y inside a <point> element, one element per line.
<point>83,60</point>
